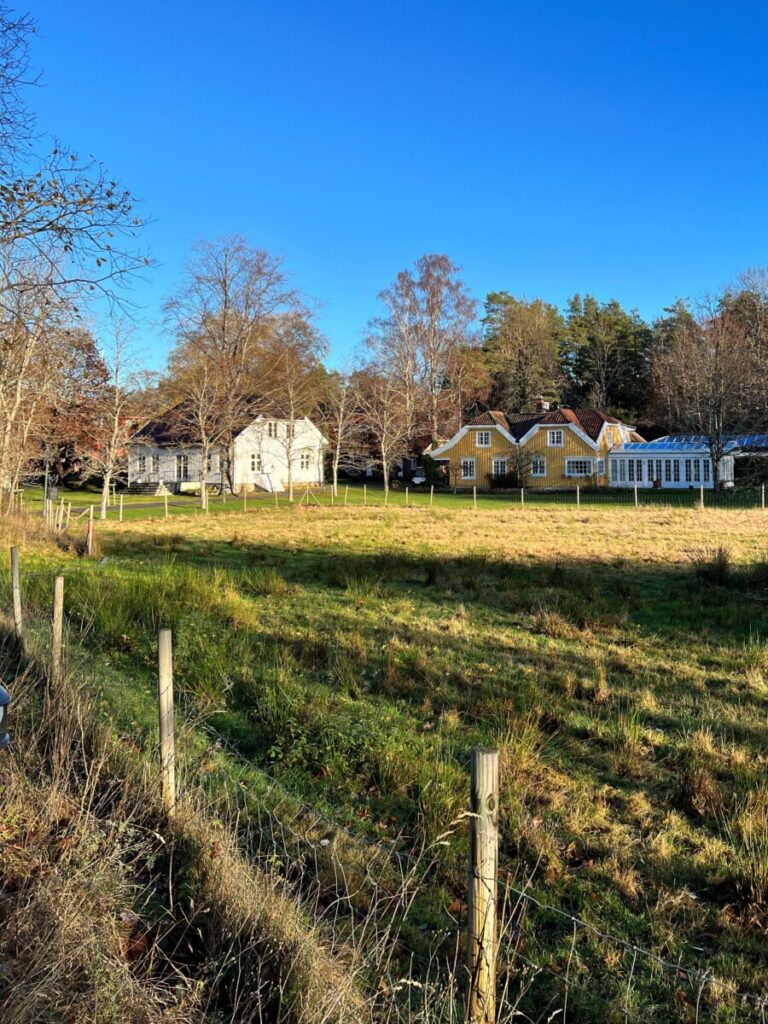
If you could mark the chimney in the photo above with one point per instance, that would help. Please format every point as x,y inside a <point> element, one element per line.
<point>540,405</point>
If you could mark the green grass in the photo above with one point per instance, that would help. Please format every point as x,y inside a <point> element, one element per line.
<point>357,656</point>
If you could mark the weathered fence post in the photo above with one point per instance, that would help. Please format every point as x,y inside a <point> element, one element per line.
<point>474,498</point>
<point>762,496</point>
<point>18,621</point>
<point>120,512</point>
<point>346,494</point>
<point>406,497</point>
<point>245,499</point>
<point>522,497</point>
<point>57,634</point>
<point>89,533</point>
<point>636,497</point>
<point>165,703</point>
<point>578,496</point>
<point>165,501</point>
<point>483,886</point>
<point>277,503</point>
<point>69,512</point>
<point>701,495</point>
<point>431,494</point>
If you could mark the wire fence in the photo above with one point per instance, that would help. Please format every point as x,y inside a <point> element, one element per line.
<point>292,828</point>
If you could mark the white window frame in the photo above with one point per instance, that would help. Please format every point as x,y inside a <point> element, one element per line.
<point>676,471</point>
<point>182,466</point>
<point>304,460</point>
<point>588,463</point>
<point>552,434</point>
<point>540,461</point>
<point>706,467</point>
<point>599,465</point>
<point>667,471</point>
<point>495,463</point>
<point>614,471</point>
<point>255,462</point>
<point>141,464</point>
<point>483,439</point>
<point>467,463</point>
<point>155,463</point>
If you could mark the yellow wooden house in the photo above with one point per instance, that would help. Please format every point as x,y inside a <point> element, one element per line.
<point>554,448</point>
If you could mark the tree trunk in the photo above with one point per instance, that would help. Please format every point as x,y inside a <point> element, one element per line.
<point>105,494</point>
<point>336,476</point>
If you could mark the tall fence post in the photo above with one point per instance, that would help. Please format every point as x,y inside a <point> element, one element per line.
<point>18,621</point>
<point>522,497</point>
<point>57,634</point>
<point>89,534</point>
<point>637,502</point>
<point>762,496</point>
<point>165,704</point>
<point>482,935</point>
<point>165,502</point>
<point>701,495</point>
<point>431,494</point>
<point>120,513</point>
<point>277,501</point>
<point>346,494</point>
<point>474,498</point>
<point>406,497</point>
<point>245,499</point>
<point>578,496</point>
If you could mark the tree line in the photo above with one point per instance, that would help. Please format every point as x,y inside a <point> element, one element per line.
<point>245,341</point>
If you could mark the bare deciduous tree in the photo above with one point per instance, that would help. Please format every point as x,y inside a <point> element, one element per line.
<point>710,380</point>
<point>343,424</point>
<point>386,418</point>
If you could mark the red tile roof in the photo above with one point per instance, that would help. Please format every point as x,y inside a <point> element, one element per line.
<point>518,424</point>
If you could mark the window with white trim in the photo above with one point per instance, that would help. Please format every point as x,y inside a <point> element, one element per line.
<point>555,438</point>
<point>538,465</point>
<point>668,471</point>
<point>631,468</point>
<point>578,467</point>
<point>483,439</point>
<point>697,471</point>
<point>639,470</point>
<point>304,460</point>
<point>658,470</point>
<point>467,469</point>
<point>600,467</point>
<point>182,467</point>
<point>688,470</point>
<point>208,463</point>
<point>614,470</point>
<point>271,429</point>
<point>255,462</point>
<point>141,464</point>
<point>676,470</point>
<point>622,470</point>
<point>499,467</point>
<point>155,463</point>
<point>706,471</point>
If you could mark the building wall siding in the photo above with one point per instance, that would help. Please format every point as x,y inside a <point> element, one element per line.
<point>555,457</point>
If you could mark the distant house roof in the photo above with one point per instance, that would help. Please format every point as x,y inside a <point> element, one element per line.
<point>591,421</point>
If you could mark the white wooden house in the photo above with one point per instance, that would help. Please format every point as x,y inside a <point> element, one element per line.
<point>163,459</point>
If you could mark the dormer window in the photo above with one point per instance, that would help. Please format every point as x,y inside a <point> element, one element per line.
<point>483,439</point>
<point>555,438</point>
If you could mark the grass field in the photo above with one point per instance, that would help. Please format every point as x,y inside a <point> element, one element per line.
<point>616,658</point>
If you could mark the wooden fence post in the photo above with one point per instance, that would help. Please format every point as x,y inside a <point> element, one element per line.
<point>578,496</point>
<point>277,503</point>
<point>636,497</point>
<point>762,496</point>
<point>18,621</point>
<point>89,533</point>
<point>57,634</point>
<point>346,494</point>
<point>120,512</point>
<point>406,497</point>
<point>165,704</point>
<point>165,501</point>
<point>483,886</point>
<point>431,494</point>
<point>474,498</point>
<point>701,495</point>
<point>69,512</point>
<point>522,497</point>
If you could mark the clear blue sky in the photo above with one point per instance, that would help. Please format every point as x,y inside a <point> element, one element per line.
<point>618,148</point>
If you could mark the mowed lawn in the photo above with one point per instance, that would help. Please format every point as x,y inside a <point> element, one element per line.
<point>614,656</point>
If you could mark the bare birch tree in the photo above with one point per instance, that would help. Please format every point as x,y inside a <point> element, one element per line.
<point>386,418</point>
<point>343,424</point>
